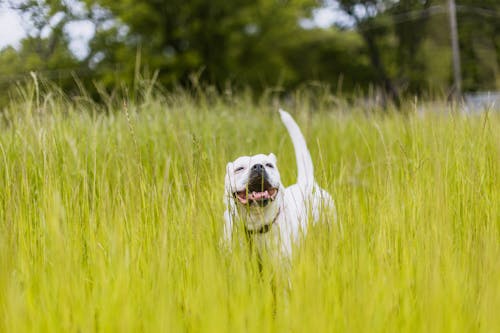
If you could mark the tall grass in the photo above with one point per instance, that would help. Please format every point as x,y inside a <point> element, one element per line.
<point>111,219</point>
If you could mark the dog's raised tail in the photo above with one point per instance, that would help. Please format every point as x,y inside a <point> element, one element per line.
<point>305,169</point>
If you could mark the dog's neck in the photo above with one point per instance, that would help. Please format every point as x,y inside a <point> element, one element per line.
<point>263,229</point>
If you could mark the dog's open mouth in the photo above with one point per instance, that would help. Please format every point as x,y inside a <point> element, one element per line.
<point>251,196</point>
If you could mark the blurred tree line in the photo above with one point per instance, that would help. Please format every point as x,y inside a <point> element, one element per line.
<point>397,47</point>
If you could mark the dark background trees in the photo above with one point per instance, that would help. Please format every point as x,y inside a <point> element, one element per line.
<point>399,47</point>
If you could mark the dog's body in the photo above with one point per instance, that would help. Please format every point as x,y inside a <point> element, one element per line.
<point>273,216</point>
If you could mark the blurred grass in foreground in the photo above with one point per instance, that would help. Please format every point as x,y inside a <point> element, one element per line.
<point>111,218</point>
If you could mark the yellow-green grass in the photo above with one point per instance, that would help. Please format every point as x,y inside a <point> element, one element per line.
<point>111,219</point>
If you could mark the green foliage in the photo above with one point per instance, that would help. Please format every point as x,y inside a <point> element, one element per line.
<point>397,47</point>
<point>44,51</point>
<point>480,44</point>
<point>38,55</point>
<point>226,41</point>
<point>111,221</point>
<point>330,59</point>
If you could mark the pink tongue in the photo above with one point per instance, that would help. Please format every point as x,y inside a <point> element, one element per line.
<point>258,195</point>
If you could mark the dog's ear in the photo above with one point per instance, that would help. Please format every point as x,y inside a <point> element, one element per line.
<point>227,180</point>
<point>273,157</point>
<point>229,167</point>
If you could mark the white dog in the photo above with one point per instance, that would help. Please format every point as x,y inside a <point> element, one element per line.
<point>273,216</point>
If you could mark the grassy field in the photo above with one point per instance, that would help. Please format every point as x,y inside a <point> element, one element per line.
<point>111,219</point>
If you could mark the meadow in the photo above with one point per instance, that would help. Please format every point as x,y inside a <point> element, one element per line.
<point>111,216</point>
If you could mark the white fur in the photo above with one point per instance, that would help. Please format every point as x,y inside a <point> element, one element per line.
<point>292,204</point>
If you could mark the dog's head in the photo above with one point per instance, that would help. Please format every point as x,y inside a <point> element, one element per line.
<point>253,181</point>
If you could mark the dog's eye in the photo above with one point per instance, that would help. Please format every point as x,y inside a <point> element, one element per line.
<point>269,165</point>
<point>239,169</point>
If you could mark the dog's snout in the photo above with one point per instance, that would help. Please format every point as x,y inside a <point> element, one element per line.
<point>259,168</point>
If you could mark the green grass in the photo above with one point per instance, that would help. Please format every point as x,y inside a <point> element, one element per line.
<point>111,220</point>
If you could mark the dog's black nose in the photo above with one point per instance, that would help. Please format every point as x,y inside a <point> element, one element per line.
<point>259,168</point>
